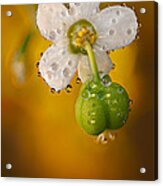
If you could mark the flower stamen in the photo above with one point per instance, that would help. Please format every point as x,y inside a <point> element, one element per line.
<point>79,33</point>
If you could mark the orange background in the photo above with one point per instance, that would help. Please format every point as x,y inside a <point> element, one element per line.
<point>40,136</point>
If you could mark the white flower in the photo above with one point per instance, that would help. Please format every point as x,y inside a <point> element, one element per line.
<point>115,26</point>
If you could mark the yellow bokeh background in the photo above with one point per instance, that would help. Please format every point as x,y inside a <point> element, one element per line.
<point>40,136</point>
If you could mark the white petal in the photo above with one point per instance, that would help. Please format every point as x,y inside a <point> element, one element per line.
<point>103,61</point>
<point>57,66</point>
<point>53,20</point>
<point>84,10</point>
<point>116,26</point>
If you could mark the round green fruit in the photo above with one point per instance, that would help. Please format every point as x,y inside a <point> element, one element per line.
<point>101,105</point>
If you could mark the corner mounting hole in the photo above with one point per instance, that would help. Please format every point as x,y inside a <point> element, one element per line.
<point>142,10</point>
<point>8,13</point>
<point>8,166</point>
<point>142,170</point>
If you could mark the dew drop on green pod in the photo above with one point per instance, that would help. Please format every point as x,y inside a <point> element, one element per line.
<point>106,80</point>
<point>117,103</point>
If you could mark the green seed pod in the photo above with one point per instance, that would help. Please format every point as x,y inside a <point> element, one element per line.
<point>117,102</point>
<point>90,111</point>
<point>101,105</point>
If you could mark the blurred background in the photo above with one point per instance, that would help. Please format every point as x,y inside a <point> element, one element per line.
<point>40,136</point>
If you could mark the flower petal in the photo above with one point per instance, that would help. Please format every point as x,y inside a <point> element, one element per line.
<point>57,66</point>
<point>116,26</point>
<point>84,10</point>
<point>53,20</point>
<point>103,61</point>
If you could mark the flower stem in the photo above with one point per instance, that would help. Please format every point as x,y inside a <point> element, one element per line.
<point>92,60</point>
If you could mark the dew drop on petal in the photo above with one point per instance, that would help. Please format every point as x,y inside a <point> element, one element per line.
<point>37,64</point>
<point>113,66</point>
<point>78,80</point>
<point>54,66</point>
<point>67,72</point>
<point>58,91</point>
<point>118,12</point>
<point>114,20</point>
<point>39,74</point>
<point>123,4</point>
<point>133,8</point>
<point>68,88</point>
<point>52,90</point>
<point>111,32</point>
<point>129,31</point>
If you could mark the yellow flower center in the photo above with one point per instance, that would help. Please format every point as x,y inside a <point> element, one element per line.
<point>79,33</point>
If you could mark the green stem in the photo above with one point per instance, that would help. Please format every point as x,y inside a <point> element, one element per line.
<point>92,60</point>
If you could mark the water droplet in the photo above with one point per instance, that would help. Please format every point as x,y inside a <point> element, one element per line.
<point>113,66</point>
<point>140,25</point>
<point>120,90</point>
<point>114,20</point>
<point>93,95</point>
<point>54,66</point>
<point>129,31</point>
<point>112,136</point>
<point>92,122</point>
<point>111,32</point>
<point>37,64</point>
<point>93,85</point>
<point>137,37</point>
<point>68,88</point>
<point>58,91</point>
<point>124,121</point>
<point>118,12</point>
<point>106,80</point>
<point>67,72</point>
<point>78,80</point>
<point>85,94</point>
<point>39,74</point>
<point>41,54</point>
<point>52,90</point>
<point>130,101</point>
<point>123,4</point>
<point>133,7</point>
<point>107,95</point>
